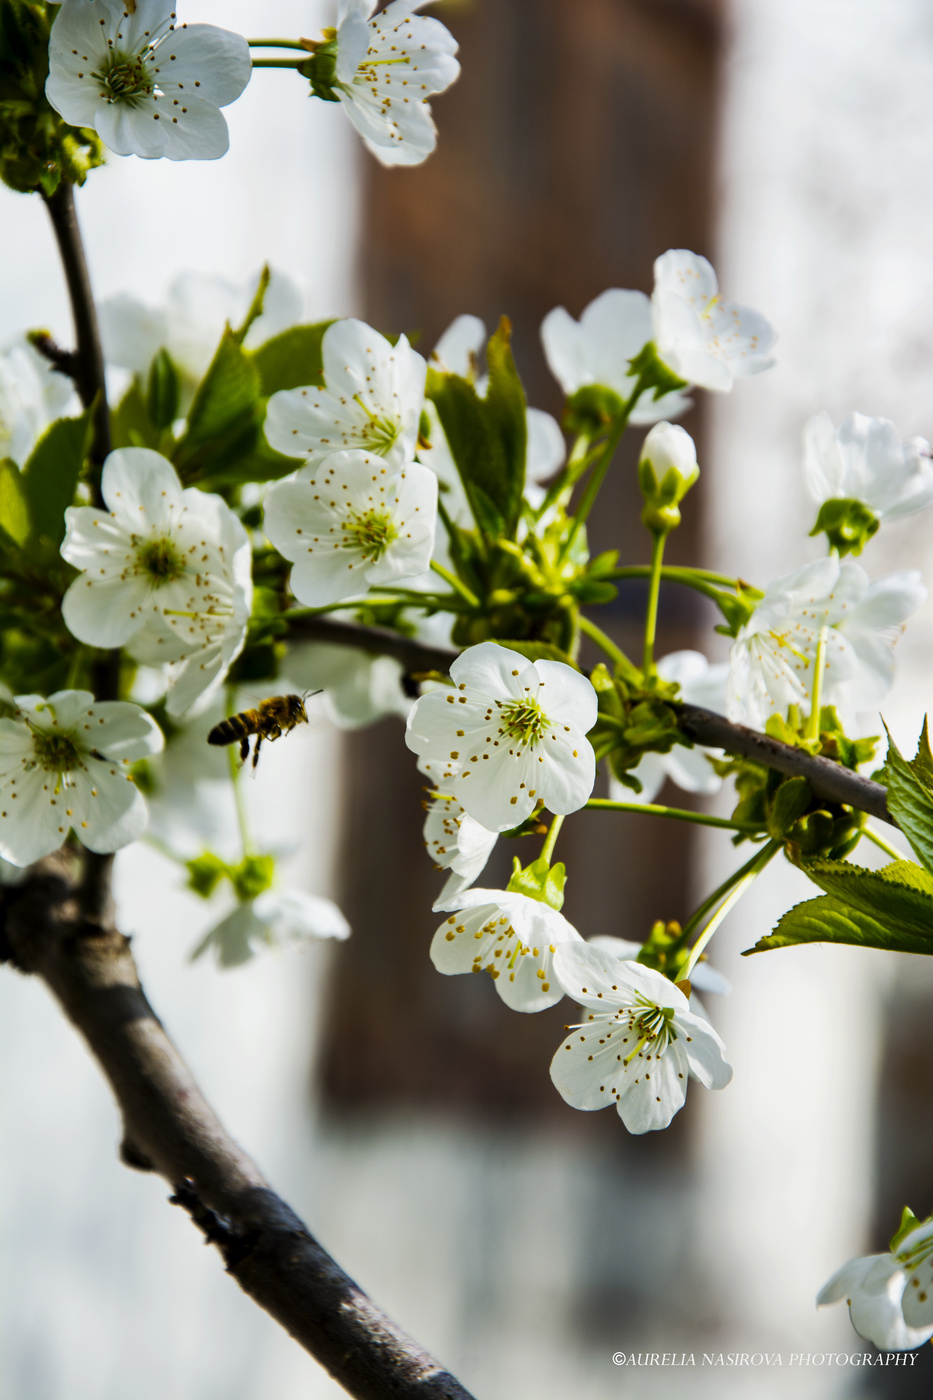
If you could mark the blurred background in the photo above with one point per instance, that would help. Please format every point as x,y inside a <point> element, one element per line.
<point>410,1118</point>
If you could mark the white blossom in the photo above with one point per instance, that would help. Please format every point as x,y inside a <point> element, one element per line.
<point>358,687</point>
<point>706,341</point>
<point>454,841</point>
<point>372,399</point>
<point>874,1288</point>
<point>63,767</point>
<point>915,1255</point>
<point>638,1044</point>
<point>355,524</point>
<point>513,732</point>
<point>147,87</point>
<point>166,572</point>
<point>865,460</point>
<point>32,395</point>
<point>597,350</point>
<point>387,68</point>
<point>700,684</point>
<point>773,657</point>
<point>509,935</point>
<point>274,919</point>
<point>190,320</point>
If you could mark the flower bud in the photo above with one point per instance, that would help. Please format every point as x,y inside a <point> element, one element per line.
<point>666,471</point>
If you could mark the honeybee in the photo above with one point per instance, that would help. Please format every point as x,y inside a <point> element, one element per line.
<point>270,720</point>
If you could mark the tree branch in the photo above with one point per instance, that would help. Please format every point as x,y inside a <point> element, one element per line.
<point>168,1127</point>
<point>827,779</point>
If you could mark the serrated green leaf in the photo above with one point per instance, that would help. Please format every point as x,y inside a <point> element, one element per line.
<point>487,436</point>
<point>14,509</point>
<point>900,893</point>
<point>51,476</point>
<point>829,920</point>
<point>922,764</point>
<point>226,401</point>
<point>291,360</point>
<point>910,800</point>
<point>537,651</point>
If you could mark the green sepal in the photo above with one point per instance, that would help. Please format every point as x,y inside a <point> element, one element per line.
<point>205,873</point>
<point>292,360</point>
<point>591,410</point>
<point>539,881</point>
<point>487,436</point>
<point>654,373</point>
<point>321,68</point>
<point>790,802</point>
<point>847,524</point>
<point>735,607</point>
<point>661,513</point>
<point>909,1222</point>
<point>665,949</point>
<point>252,876</point>
<point>14,507</point>
<point>163,391</point>
<point>50,479</point>
<point>910,794</point>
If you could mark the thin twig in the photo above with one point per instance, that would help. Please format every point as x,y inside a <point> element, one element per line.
<point>169,1128</point>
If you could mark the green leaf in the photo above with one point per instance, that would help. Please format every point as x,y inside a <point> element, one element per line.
<point>261,463</point>
<point>487,436</point>
<point>163,390</point>
<point>900,893</point>
<point>829,920</point>
<point>14,508</point>
<point>910,796</point>
<point>130,424</point>
<point>51,476</point>
<point>291,360</point>
<point>227,396</point>
<point>790,802</point>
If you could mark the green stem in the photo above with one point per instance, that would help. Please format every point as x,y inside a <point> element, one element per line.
<point>588,499</point>
<point>456,584</point>
<point>278,44</point>
<point>279,62</point>
<point>550,841</point>
<point>596,634</point>
<point>235,767</point>
<point>819,664</point>
<point>676,573</point>
<point>883,845</point>
<point>653,809</point>
<point>577,463</point>
<point>737,884</point>
<point>654,593</point>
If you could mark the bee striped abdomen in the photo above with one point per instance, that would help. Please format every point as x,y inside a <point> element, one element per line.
<point>274,717</point>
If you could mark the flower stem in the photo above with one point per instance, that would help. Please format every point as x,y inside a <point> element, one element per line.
<point>588,499</point>
<point>235,770</point>
<point>550,841</point>
<point>456,584</point>
<point>733,888</point>
<point>280,62</point>
<point>278,44</point>
<point>819,664</point>
<point>606,644</point>
<point>883,845</point>
<point>577,463</point>
<point>654,593</point>
<point>653,809</point>
<point>675,573</point>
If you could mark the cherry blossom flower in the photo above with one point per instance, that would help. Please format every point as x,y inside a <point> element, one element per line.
<point>274,919</point>
<point>190,321</point>
<point>597,350</point>
<point>387,67</point>
<point>914,1251</point>
<point>63,767</point>
<point>509,935</point>
<point>874,1287</point>
<point>705,341</point>
<point>865,460</point>
<point>454,841</point>
<point>147,87</point>
<point>372,400</point>
<point>700,684</point>
<point>355,524</point>
<point>513,732</point>
<point>772,659</point>
<point>167,572</point>
<point>32,395</point>
<point>638,1044</point>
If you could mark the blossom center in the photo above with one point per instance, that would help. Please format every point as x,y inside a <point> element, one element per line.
<point>654,1023</point>
<point>56,753</point>
<point>524,722</point>
<point>371,532</point>
<point>125,78</point>
<point>380,434</point>
<point>161,560</point>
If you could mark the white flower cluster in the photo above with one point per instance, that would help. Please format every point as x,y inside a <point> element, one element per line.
<point>32,395</point>
<point>890,1296</point>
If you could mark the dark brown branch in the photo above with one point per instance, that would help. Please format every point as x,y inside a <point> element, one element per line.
<point>88,362</point>
<point>168,1127</point>
<point>828,780</point>
<point>65,361</point>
